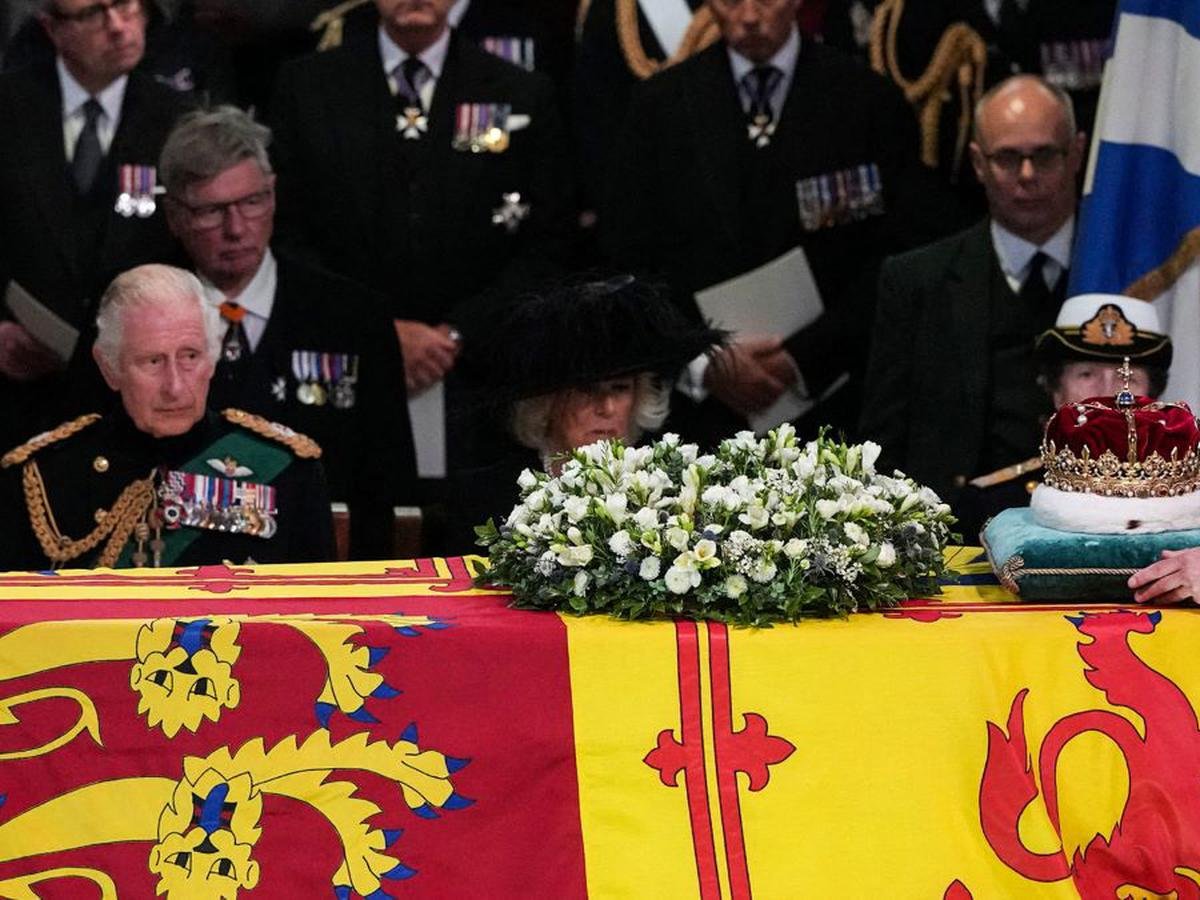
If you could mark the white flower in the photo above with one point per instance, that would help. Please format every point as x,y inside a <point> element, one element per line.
<point>756,516</point>
<point>650,568</point>
<point>887,555</point>
<point>526,479</point>
<point>677,538</point>
<point>764,570</point>
<point>735,586</point>
<point>576,507</point>
<point>646,518</point>
<point>616,505</point>
<point>518,516</point>
<point>680,580</point>
<point>827,508</point>
<point>857,534</point>
<point>794,548</point>
<point>580,584</point>
<point>578,555</point>
<point>870,453</point>
<point>704,554</point>
<point>621,544</point>
<point>706,462</point>
<point>670,439</point>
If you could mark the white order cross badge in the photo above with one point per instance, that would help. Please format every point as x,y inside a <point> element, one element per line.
<point>412,123</point>
<point>511,212</point>
<point>761,130</point>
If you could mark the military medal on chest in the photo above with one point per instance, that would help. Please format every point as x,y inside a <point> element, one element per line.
<point>138,189</point>
<point>481,127</point>
<point>345,376</point>
<point>215,503</point>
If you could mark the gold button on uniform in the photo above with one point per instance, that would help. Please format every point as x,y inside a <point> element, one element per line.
<point>100,464</point>
<point>1031,486</point>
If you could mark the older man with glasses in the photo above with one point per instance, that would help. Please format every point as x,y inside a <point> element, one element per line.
<point>298,344</point>
<point>77,191</point>
<point>952,387</point>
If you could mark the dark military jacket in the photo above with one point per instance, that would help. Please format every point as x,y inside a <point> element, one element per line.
<point>97,491</point>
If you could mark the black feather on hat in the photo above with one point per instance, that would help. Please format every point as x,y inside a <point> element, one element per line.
<point>583,331</point>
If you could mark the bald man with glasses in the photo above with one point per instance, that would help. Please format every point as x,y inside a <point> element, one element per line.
<point>77,191</point>
<point>952,388</point>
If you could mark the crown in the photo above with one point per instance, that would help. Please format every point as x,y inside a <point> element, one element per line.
<point>1124,447</point>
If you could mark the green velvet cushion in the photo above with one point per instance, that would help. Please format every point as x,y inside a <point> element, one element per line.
<point>1039,563</point>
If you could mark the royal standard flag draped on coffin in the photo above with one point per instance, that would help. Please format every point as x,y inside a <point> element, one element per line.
<point>375,730</point>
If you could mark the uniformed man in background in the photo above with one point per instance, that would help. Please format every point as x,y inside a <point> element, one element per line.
<point>162,480</point>
<point>301,344</point>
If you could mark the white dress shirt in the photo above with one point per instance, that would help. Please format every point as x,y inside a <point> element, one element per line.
<point>74,96</point>
<point>1016,254</point>
<point>257,298</point>
<point>434,57</point>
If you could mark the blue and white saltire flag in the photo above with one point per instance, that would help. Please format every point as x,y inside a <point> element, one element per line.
<point>1142,189</point>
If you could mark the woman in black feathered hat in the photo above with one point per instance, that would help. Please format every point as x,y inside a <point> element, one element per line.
<point>584,361</point>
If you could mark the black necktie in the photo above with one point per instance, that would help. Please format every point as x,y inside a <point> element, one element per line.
<point>1039,299</point>
<point>88,155</point>
<point>410,79</point>
<point>760,82</point>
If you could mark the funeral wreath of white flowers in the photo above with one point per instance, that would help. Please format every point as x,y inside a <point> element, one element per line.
<point>762,530</point>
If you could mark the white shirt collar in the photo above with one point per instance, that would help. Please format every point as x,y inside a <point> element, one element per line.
<point>457,11</point>
<point>1015,253</point>
<point>434,56</point>
<point>74,95</point>
<point>784,59</point>
<point>258,297</point>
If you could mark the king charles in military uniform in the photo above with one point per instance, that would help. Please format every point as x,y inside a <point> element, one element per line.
<point>162,481</point>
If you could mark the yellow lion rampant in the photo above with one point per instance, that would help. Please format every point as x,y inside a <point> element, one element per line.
<point>206,825</point>
<point>183,669</point>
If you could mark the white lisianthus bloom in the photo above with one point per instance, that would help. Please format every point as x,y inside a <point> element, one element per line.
<point>677,538</point>
<point>578,555</point>
<point>688,453</point>
<point>616,505</point>
<point>650,568</point>
<point>646,518</point>
<point>713,495</point>
<point>887,555</point>
<point>756,516</point>
<point>764,570</point>
<point>870,453</point>
<point>576,507</point>
<point>621,544</point>
<point>794,548</point>
<point>706,462</point>
<point>669,439</point>
<point>745,440</point>
<point>735,586</point>
<point>580,584</point>
<point>526,479</point>
<point>827,509</point>
<point>680,580</point>
<point>857,534</point>
<point>518,516</point>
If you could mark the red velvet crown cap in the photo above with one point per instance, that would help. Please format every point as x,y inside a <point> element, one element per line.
<point>1099,424</point>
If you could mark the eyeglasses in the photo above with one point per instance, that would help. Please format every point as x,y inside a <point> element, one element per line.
<point>207,216</point>
<point>92,18</point>
<point>1043,159</point>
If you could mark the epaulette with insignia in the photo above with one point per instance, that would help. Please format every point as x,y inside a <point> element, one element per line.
<point>20,454</point>
<point>1008,473</point>
<point>331,24</point>
<point>300,444</point>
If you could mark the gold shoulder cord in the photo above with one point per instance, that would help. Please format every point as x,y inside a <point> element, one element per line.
<point>331,24</point>
<point>18,455</point>
<point>701,32</point>
<point>300,444</point>
<point>960,57</point>
<point>118,525</point>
